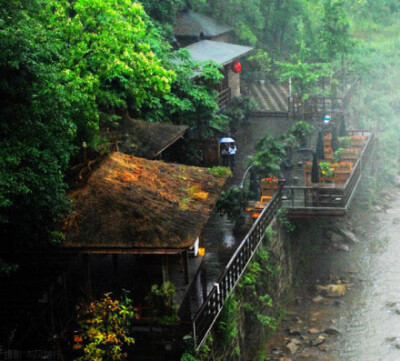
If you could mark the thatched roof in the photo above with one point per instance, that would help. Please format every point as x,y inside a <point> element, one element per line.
<point>192,24</point>
<point>134,203</point>
<point>145,139</point>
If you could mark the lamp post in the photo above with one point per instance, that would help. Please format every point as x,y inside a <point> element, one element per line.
<point>244,175</point>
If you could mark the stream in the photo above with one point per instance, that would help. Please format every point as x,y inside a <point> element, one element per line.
<point>349,308</point>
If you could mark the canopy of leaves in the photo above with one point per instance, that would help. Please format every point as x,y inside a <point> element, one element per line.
<point>67,66</point>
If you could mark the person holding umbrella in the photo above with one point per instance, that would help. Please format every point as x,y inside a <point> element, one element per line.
<point>225,154</point>
<point>227,151</point>
<point>232,153</point>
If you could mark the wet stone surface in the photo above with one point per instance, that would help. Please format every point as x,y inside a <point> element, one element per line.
<point>349,310</point>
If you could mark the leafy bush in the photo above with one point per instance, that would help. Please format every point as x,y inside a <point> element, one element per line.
<point>301,130</point>
<point>233,203</point>
<point>220,172</point>
<point>165,309</point>
<point>103,329</point>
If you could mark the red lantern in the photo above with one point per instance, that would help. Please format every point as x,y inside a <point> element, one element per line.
<point>236,67</point>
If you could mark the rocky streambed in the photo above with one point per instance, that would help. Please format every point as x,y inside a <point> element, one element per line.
<point>348,306</point>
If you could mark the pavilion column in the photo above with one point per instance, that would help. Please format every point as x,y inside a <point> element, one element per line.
<point>164,268</point>
<point>186,266</point>
<point>87,276</point>
<point>115,270</point>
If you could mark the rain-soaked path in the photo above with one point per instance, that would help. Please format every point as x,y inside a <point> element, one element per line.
<point>364,324</point>
<point>219,240</point>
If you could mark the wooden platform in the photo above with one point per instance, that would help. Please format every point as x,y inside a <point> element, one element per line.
<point>327,200</point>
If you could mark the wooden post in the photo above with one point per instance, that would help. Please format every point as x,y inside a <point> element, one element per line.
<point>164,268</point>
<point>115,271</point>
<point>186,266</point>
<point>87,276</point>
<point>65,292</point>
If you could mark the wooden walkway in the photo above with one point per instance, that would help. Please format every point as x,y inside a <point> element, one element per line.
<point>302,202</point>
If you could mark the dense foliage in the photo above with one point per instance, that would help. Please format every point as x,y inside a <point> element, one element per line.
<point>103,329</point>
<point>68,68</point>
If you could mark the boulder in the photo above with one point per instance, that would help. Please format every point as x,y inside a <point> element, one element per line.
<point>318,299</point>
<point>292,347</point>
<point>333,290</point>
<point>332,331</point>
<point>396,220</point>
<point>349,236</point>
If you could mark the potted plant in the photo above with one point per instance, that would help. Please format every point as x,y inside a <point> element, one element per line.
<point>342,171</point>
<point>307,167</point>
<point>327,171</point>
<point>269,182</point>
<point>328,153</point>
<point>327,140</point>
<point>357,140</point>
<point>344,142</point>
<point>349,153</point>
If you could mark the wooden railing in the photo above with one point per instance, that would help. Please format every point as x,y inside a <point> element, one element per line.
<point>224,97</point>
<point>335,200</point>
<point>207,314</point>
<point>321,199</point>
<point>314,105</point>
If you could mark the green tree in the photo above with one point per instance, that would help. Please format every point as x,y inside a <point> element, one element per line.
<point>192,100</point>
<point>35,127</point>
<point>110,52</point>
<point>68,66</point>
<point>304,75</point>
<point>335,33</point>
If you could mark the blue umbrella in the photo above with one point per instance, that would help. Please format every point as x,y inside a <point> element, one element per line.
<point>227,140</point>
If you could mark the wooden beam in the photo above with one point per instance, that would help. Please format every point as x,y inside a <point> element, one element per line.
<point>186,266</point>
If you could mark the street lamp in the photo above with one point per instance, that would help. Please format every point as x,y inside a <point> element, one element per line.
<point>245,174</point>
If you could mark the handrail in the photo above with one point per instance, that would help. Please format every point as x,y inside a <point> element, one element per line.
<point>337,197</point>
<point>207,314</point>
<point>331,199</point>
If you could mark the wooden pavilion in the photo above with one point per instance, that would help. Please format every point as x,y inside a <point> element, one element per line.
<point>191,27</point>
<point>226,55</point>
<point>137,222</point>
<point>145,139</point>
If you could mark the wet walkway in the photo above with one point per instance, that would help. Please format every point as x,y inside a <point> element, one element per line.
<point>219,240</point>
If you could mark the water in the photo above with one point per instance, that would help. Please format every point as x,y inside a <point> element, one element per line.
<point>370,320</point>
<point>368,316</point>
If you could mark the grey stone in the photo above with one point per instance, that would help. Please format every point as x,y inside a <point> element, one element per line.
<point>396,220</point>
<point>317,341</point>
<point>292,347</point>
<point>296,341</point>
<point>332,331</point>
<point>318,299</point>
<point>343,247</point>
<point>349,236</point>
<point>294,331</point>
